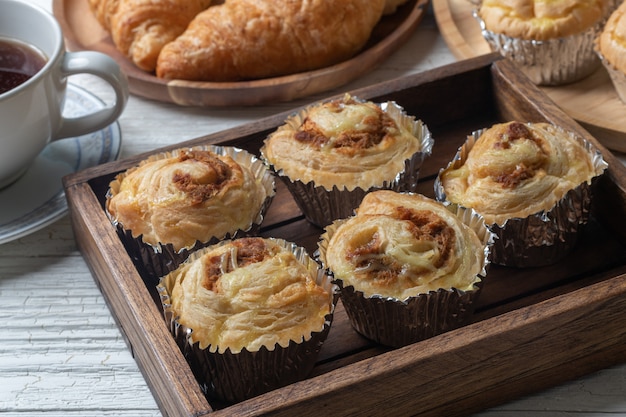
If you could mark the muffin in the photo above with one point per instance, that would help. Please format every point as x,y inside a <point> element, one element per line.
<point>408,268</point>
<point>251,314</point>
<point>175,202</point>
<point>611,48</point>
<point>551,41</point>
<point>331,154</point>
<point>530,182</point>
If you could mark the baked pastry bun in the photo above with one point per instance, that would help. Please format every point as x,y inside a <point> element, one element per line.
<point>331,153</point>
<point>611,48</point>
<point>251,39</point>
<point>407,266</point>
<point>532,183</point>
<point>173,203</point>
<point>187,197</point>
<point>517,169</point>
<point>401,245</point>
<point>541,19</point>
<point>551,41</point>
<point>248,293</point>
<point>345,143</point>
<point>250,314</point>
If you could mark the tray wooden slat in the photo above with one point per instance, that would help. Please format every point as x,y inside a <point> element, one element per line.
<point>533,328</point>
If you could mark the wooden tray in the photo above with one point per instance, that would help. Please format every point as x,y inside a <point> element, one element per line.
<point>83,32</point>
<point>592,101</point>
<point>533,328</point>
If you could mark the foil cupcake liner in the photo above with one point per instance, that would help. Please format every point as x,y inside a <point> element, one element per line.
<point>230,377</point>
<point>549,62</point>
<point>618,78</point>
<point>320,206</point>
<point>154,261</point>
<point>545,237</point>
<point>396,323</point>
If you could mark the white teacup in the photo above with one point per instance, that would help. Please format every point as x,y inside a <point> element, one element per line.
<point>31,113</point>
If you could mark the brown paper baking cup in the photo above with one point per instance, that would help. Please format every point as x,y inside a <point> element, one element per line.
<point>321,206</point>
<point>393,322</point>
<point>550,62</point>
<point>154,261</point>
<point>545,237</point>
<point>233,377</point>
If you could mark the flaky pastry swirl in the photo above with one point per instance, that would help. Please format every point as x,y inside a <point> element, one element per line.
<point>612,40</point>
<point>248,293</point>
<point>402,245</point>
<point>186,196</point>
<point>140,28</point>
<point>344,143</point>
<point>541,19</point>
<point>514,170</point>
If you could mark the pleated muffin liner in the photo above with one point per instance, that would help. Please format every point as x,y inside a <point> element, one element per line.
<point>154,261</point>
<point>618,78</point>
<point>393,322</point>
<point>542,238</point>
<point>230,377</point>
<point>549,62</point>
<point>321,206</point>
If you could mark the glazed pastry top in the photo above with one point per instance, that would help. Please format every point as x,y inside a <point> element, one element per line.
<point>541,19</point>
<point>249,293</point>
<point>401,245</point>
<point>186,196</point>
<point>516,170</point>
<point>343,143</point>
<point>612,41</point>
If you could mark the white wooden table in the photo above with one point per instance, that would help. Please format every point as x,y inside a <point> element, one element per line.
<point>60,350</point>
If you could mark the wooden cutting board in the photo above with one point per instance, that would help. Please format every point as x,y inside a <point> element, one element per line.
<point>83,32</point>
<point>592,101</point>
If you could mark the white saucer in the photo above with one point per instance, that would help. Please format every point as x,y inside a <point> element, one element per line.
<point>37,199</point>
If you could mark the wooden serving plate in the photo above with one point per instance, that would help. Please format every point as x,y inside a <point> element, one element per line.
<point>83,32</point>
<point>534,328</point>
<point>592,101</point>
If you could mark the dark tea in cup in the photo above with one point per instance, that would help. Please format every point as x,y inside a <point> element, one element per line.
<point>18,63</point>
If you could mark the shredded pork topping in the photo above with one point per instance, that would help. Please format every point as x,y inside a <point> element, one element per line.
<point>201,189</point>
<point>244,251</point>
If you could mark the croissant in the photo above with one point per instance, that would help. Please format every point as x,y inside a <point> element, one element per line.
<point>140,28</point>
<point>251,39</point>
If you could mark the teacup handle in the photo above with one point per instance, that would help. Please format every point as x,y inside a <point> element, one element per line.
<point>102,66</point>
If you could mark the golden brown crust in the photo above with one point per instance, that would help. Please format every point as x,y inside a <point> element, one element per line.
<point>140,28</point>
<point>344,143</point>
<point>612,41</point>
<point>186,197</point>
<point>250,39</point>
<point>541,19</point>
<point>248,293</point>
<point>401,245</point>
<point>516,169</point>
